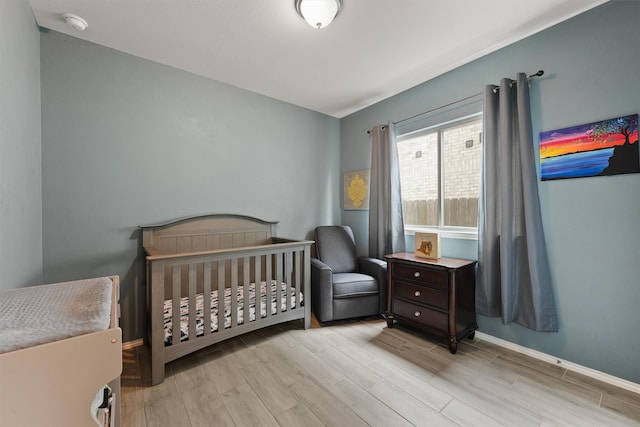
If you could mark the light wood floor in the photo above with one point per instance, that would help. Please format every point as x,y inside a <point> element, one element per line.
<point>361,373</point>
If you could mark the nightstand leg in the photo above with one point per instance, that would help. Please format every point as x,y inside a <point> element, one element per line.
<point>389,320</point>
<point>453,345</point>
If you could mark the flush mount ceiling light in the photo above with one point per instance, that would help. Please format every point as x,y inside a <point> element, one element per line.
<point>318,13</point>
<point>75,22</point>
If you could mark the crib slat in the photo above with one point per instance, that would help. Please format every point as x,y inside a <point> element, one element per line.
<point>279,278</point>
<point>192,302</point>
<point>307,288</point>
<point>296,273</point>
<point>234,292</point>
<point>289,280</point>
<point>245,290</point>
<point>296,278</point>
<point>206,277</point>
<point>268,277</point>
<point>221,303</point>
<point>256,287</point>
<point>176,285</point>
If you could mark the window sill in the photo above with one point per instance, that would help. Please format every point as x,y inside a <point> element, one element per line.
<point>446,233</point>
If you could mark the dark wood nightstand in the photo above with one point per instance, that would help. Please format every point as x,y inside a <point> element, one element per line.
<point>435,296</point>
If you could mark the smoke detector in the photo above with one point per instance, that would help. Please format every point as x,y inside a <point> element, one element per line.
<point>75,22</point>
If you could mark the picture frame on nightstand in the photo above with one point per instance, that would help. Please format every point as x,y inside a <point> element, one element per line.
<point>427,245</point>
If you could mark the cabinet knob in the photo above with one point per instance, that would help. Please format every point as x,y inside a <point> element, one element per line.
<point>417,314</point>
<point>416,293</point>
<point>416,274</point>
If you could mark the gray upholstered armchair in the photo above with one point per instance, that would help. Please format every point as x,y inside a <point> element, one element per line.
<point>344,285</point>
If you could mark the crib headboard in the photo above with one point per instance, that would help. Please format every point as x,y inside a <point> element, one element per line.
<point>206,233</point>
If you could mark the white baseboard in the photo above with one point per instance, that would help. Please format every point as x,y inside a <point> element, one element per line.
<point>571,366</point>
<point>132,344</point>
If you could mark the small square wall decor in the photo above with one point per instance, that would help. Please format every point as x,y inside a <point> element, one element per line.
<point>427,245</point>
<point>356,190</point>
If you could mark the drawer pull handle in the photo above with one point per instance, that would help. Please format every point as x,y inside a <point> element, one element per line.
<point>417,293</point>
<point>417,314</point>
<point>416,274</point>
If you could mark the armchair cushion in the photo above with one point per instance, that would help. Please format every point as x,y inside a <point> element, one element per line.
<point>347,285</point>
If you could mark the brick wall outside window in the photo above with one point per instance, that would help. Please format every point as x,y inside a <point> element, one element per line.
<point>462,160</point>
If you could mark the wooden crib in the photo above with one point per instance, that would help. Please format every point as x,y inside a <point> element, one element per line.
<point>60,345</point>
<point>263,281</point>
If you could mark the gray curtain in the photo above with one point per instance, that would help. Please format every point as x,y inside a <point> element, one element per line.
<point>386,224</point>
<point>514,279</point>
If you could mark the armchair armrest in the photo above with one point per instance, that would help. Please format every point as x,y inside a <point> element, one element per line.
<point>321,290</point>
<point>378,269</point>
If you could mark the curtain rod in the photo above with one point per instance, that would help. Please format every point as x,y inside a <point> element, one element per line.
<point>538,74</point>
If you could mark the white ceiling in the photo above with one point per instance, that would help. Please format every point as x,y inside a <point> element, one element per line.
<point>374,49</point>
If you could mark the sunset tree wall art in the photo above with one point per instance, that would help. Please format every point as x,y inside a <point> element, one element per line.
<point>608,147</point>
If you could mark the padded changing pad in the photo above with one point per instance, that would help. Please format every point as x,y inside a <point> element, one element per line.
<point>40,314</point>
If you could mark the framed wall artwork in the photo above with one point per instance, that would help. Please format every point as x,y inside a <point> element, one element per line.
<point>356,190</point>
<point>427,245</point>
<point>607,147</point>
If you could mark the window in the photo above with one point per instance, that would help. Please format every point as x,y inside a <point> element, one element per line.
<point>440,175</point>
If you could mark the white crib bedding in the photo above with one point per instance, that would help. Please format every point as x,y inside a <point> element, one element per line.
<point>184,309</point>
<point>37,315</point>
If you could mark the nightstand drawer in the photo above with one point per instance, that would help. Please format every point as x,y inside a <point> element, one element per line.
<point>422,315</point>
<point>422,295</point>
<point>428,276</point>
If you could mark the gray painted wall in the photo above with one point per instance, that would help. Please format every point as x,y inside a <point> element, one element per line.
<point>591,64</point>
<point>129,142</point>
<point>20,173</point>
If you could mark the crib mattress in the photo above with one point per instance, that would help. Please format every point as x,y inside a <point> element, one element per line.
<point>184,309</point>
<point>40,314</point>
